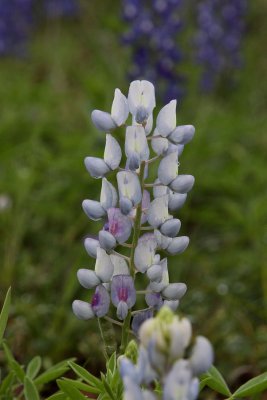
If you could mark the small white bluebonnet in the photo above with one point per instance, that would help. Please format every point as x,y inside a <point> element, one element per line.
<point>132,205</point>
<point>169,356</point>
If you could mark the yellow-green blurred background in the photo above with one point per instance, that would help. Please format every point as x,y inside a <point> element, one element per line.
<point>73,66</point>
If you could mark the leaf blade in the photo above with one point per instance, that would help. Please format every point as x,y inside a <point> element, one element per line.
<point>4,313</point>
<point>253,386</point>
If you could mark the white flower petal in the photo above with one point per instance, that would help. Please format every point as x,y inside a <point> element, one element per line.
<point>129,186</point>
<point>103,266</point>
<point>168,168</point>
<point>159,145</point>
<point>158,211</point>
<point>202,356</point>
<point>112,154</point>
<point>119,109</point>
<point>141,97</point>
<point>93,209</point>
<point>120,265</point>
<point>136,142</point>
<point>108,195</point>
<point>166,120</point>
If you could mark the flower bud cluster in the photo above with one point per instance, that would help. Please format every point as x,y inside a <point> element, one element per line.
<point>167,354</point>
<point>134,208</point>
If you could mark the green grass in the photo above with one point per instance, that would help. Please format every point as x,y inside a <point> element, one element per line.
<point>45,133</point>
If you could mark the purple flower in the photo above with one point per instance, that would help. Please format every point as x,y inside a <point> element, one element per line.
<point>98,307</point>
<point>123,294</point>
<point>61,8</point>
<point>139,318</point>
<point>119,225</point>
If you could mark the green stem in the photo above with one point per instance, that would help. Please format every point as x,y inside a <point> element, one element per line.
<point>136,233</point>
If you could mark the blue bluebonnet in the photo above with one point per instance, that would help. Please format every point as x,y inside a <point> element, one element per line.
<point>133,201</point>
<point>61,8</point>
<point>152,33</point>
<point>16,18</point>
<point>218,39</point>
<point>167,354</point>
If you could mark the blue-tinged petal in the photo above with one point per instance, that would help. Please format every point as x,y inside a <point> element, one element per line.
<point>149,125</point>
<point>119,225</point>
<point>82,309</point>
<point>132,391</point>
<point>202,356</point>
<point>93,209</point>
<point>171,227</point>
<point>159,145</point>
<point>172,304</point>
<point>139,318</point>
<point>162,241</point>
<point>102,120</point>
<point>180,331</point>
<point>129,186</point>
<point>178,245</point>
<point>119,109</point>
<point>168,168</point>
<point>158,211</point>
<point>176,200</point>
<point>125,205</point>
<point>145,206</point>
<point>96,167</point>
<point>136,142</point>
<point>122,310</point>
<point>120,265</point>
<point>128,369</point>
<point>174,291</point>
<point>178,148</point>
<point>193,389</point>
<point>159,286</point>
<point>177,382</point>
<point>88,278</point>
<point>106,240</point>
<point>183,183</point>
<point>166,120</point>
<point>103,266</point>
<point>91,246</point>
<point>122,289</point>
<point>108,195</point>
<point>154,273</point>
<point>100,301</point>
<point>112,153</point>
<point>182,134</point>
<point>153,299</point>
<point>133,162</point>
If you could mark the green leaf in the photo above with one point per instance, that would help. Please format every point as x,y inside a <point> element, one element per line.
<point>215,381</point>
<point>6,384</point>
<point>34,367</point>
<point>4,314</point>
<point>254,385</point>
<point>58,396</point>
<point>70,390</point>
<point>82,386</point>
<point>30,390</point>
<point>84,374</point>
<point>107,387</point>
<point>13,364</point>
<point>49,375</point>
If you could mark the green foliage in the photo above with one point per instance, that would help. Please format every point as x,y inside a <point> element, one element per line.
<point>215,381</point>
<point>4,314</point>
<point>253,386</point>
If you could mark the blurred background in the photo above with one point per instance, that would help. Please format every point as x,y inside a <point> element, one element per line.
<point>61,59</point>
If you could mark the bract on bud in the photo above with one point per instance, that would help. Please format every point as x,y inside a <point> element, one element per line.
<point>93,209</point>
<point>183,183</point>
<point>182,134</point>
<point>91,245</point>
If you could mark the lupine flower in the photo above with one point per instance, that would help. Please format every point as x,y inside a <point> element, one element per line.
<point>123,294</point>
<point>153,30</point>
<point>118,225</point>
<point>16,18</point>
<point>218,40</point>
<point>164,342</point>
<point>98,307</point>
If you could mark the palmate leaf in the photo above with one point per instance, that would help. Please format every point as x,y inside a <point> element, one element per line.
<point>34,367</point>
<point>4,314</point>
<point>86,376</point>
<point>30,390</point>
<point>215,381</point>
<point>70,390</point>
<point>254,385</point>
